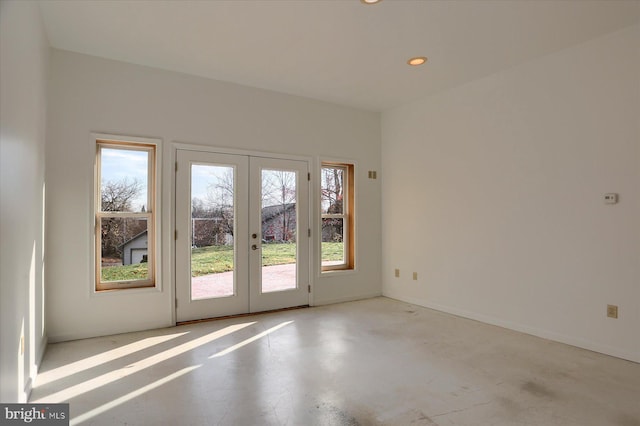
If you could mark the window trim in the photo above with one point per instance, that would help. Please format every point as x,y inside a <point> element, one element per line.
<point>152,146</point>
<point>348,216</point>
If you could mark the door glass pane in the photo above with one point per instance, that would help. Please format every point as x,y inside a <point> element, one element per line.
<point>279,230</point>
<point>212,231</point>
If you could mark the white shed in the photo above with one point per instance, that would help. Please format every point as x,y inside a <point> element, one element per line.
<point>135,250</point>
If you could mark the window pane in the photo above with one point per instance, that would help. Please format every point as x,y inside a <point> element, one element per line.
<point>333,242</point>
<point>332,190</point>
<point>124,176</point>
<point>124,249</point>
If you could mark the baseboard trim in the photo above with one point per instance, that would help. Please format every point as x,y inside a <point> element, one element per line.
<point>28,387</point>
<point>248,314</point>
<point>44,344</point>
<point>347,299</point>
<point>522,328</point>
<point>103,333</point>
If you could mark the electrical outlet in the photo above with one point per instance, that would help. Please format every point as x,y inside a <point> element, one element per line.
<point>415,276</point>
<point>397,273</point>
<point>612,311</point>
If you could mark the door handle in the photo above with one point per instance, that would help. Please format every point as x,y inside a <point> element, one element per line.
<point>255,247</point>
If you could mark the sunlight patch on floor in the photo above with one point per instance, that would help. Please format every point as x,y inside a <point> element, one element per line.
<point>102,358</point>
<point>136,393</point>
<point>112,376</point>
<point>252,339</point>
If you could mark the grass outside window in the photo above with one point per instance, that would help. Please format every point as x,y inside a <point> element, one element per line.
<point>217,259</point>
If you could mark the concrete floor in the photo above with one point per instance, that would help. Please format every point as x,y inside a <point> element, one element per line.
<point>371,362</point>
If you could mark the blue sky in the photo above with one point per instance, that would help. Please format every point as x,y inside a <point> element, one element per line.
<point>119,164</point>
<point>203,176</point>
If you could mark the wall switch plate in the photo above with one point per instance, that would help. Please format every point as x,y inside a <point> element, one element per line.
<point>612,311</point>
<point>415,276</point>
<point>610,198</point>
<point>373,174</point>
<point>397,273</point>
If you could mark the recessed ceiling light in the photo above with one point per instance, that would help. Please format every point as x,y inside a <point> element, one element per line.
<point>370,1</point>
<point>418,60</point>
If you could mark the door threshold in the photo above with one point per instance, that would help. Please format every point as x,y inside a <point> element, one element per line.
<point>248,314</point>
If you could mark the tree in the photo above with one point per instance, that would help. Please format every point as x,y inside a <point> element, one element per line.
<point>198,208</point>
<point>118,196</point>
<point>332,189</point>
<point>332,203</point>
<point>209,225</point>
<point>279,189</point>
<point>219,203</point>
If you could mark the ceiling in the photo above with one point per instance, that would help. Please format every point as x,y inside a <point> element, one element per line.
<point>341,51</point>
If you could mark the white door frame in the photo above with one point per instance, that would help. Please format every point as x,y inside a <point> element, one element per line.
<point>265,301</point>
<point>183,146</point>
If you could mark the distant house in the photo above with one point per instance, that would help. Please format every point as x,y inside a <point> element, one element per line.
<point>279,222</point>
<point>135,250</point>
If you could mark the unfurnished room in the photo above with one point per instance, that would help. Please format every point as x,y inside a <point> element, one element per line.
<point>320,212</point>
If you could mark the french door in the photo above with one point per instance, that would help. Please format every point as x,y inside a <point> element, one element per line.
<point>242,240</point>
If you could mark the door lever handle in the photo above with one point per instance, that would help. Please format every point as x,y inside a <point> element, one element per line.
<point>254,247</point>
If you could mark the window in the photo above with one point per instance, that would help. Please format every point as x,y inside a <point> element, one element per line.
<point>125,222</point>
<point>337,190</point>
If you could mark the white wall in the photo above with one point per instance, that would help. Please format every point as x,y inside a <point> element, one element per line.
<point>493,193</point>
<point>96,95</point>
<point>24,62</point>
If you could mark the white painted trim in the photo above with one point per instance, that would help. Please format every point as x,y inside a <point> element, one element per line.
<point>337,272</point>
<point>313,195</point>
<point>234,151</point>
<point>317,267</point>
<point>349,299</point>
<point>44,343</point>
<point>157,143</point>
<point>171,229</point>
<point>149,140</point>
<point>131,290</point>
<point>28,387</point>
<point>545,334</point>
<point>109,332</point>
<point>33,375</point>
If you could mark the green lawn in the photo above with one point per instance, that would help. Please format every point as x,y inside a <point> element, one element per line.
<point>215,259</point>
<point>139,271</point>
